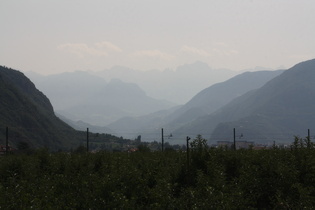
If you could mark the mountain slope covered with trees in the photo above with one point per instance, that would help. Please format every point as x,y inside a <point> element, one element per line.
<point>29,116</point>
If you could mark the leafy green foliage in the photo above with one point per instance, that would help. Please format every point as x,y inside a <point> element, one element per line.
<point>221,179</point>
<point>302,143</point>
<point>143,148</point>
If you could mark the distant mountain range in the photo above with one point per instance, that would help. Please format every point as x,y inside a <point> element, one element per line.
<point>277,111</point>
<point>205,102</point>
<point>80,96</point>
<point>218,95</point>
<point>29,116</point>
<point>82,126</point>
<point>177,86</point>
<point>263,106</point>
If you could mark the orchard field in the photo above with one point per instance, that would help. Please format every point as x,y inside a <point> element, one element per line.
<point>211,178</point>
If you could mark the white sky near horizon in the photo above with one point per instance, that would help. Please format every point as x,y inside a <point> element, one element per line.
<point>54,36</point>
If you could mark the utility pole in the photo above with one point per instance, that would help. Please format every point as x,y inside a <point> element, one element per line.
<point>187,149</point>
<point>308,139</point>
<point>162,140</point>
<point>6,140</point>
<point>234,139</point>
<point>308,134</point>
<point>87,139</point>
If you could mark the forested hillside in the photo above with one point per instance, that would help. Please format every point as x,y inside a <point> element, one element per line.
<point>29,115</point>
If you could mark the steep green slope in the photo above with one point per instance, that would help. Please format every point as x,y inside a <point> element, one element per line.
<point>29,115</point>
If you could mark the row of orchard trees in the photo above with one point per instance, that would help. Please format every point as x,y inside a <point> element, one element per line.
<point>213,179</point>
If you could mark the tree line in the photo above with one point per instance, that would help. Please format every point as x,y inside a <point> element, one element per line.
<point>209,178</point>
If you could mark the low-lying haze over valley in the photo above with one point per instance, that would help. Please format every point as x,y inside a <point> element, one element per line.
<point>125,109</point>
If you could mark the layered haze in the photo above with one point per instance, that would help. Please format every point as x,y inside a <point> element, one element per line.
<point>133,67</point>
<point>82,96</point>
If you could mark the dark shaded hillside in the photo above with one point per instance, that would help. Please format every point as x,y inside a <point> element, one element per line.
<point>29,115</point>
<point>218,95</point>
<point>283,107</point>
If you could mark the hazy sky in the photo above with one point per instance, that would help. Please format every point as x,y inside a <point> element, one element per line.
<point>51,36</point>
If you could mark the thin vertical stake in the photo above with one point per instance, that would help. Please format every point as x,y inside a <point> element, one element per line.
<point>87,139</point>
<point>6,140</point>
<point>162,141</point>
<point>308,134</point>
<point>187,149</point>
<point>234,139</point>
<point>308,139</point>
